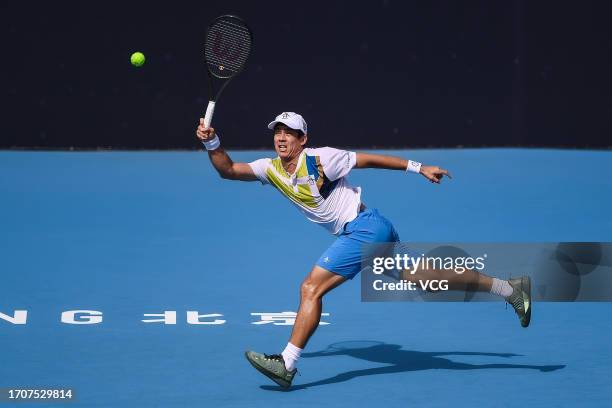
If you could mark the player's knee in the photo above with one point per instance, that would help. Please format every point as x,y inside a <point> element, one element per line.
<point>309,290</point>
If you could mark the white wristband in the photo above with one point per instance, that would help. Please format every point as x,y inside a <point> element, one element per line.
<point>213,143</point>
<point>413,167</point>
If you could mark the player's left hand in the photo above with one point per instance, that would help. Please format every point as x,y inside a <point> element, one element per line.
<point>434,173</point>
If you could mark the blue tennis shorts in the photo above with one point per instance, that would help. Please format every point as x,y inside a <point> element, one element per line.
<point>344,256</point>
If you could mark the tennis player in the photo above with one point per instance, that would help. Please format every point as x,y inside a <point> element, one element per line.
<point>315,181</point>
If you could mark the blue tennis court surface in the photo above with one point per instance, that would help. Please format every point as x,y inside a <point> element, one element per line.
<point>124,234</point>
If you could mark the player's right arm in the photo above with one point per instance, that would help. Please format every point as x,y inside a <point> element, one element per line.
<point>221,161</point>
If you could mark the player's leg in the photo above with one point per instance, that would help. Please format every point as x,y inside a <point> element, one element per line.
<point>343,257</point>
<point>517,292</point>
<point>281,367</point>
<point>318,282</point>
<point>470,280</point>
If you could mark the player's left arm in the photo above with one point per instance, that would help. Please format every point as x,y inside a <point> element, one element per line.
<point>380,161</point>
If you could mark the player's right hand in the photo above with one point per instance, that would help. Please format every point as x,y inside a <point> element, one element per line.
<point>204,133</point>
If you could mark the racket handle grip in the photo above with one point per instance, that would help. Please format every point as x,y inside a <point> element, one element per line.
<point>210,109</point>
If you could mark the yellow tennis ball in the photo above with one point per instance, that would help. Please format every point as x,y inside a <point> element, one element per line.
<point>137,59</point>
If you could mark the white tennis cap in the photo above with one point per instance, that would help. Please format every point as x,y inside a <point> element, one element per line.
<point>291,119</point>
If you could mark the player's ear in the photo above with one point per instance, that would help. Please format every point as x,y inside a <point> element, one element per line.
<point>303,139</point>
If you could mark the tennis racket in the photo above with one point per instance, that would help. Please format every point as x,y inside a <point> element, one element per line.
<point>226,50</point>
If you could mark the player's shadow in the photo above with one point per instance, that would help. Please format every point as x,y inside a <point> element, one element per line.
<point>399,360</point>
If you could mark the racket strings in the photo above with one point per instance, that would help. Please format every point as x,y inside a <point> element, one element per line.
<point>227,48</point>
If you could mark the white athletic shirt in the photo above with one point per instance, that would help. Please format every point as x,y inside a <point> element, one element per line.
<point>319,187</point>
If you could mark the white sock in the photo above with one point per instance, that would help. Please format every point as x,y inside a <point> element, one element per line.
<point>501,288</point>
<point>291,354</point>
